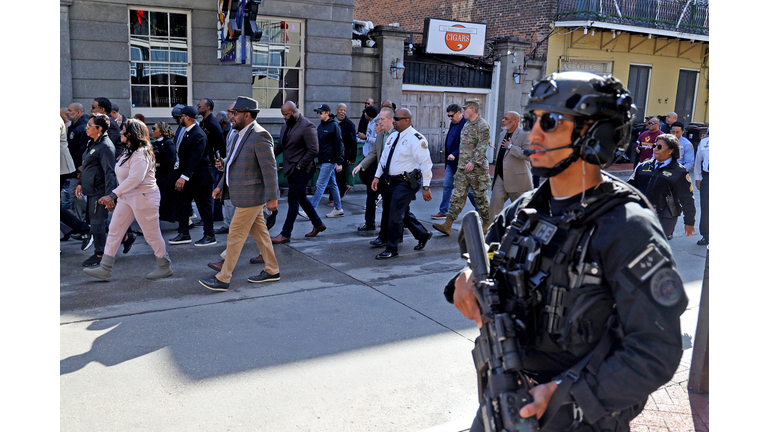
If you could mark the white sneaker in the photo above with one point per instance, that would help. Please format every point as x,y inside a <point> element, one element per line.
<point>335,213</point>
<point>304,215</point>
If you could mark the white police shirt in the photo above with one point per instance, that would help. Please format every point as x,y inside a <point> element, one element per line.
<point>702,160</point>
<point>411,152</point>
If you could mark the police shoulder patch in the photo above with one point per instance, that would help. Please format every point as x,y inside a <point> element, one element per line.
<point>423,144</point>
<point>688,177</point>
<point>666,287</point>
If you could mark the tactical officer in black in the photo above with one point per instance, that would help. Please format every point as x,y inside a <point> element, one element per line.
<point>667,185</point>
<point>600,326</point>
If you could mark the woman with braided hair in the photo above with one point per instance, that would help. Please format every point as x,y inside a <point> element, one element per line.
<point>139,199</point>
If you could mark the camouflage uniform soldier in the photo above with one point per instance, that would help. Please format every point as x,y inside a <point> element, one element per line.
<point>473,168</point>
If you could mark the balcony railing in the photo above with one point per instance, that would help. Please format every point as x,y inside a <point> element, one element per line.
<point>685,16</point>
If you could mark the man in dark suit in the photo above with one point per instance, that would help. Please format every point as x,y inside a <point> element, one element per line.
<point>102,105</point>
<point>250,181</point>
<point>212,130</point>
<point>298,143</point>
<point>195,181</point>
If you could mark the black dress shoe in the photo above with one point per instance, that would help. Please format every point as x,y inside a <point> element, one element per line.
<point>367,228</point>
<point>386,255</point>
<point>199,223</point>
<point>377,242</point>
<point>206,241</point>
<point>127,243</point>
<point>180,239</point>
<point>423,242</point>
<point>703,242</point>
<point>222,230</point>
<point>214,284</point>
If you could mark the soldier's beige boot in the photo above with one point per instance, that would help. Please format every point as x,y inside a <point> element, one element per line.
<point>444,227</point>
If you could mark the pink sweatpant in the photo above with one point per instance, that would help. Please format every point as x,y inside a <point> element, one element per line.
<point>145,209</point>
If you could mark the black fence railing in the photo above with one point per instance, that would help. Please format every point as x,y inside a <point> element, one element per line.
<point>446,75</point>
<point>681,16</point>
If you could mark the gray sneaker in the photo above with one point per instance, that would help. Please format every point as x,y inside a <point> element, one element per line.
<point>264,277</point>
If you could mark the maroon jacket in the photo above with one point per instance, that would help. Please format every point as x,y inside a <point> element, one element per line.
<point>299,145</point>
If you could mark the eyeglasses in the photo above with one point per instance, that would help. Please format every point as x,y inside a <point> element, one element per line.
<point>547,121</point>
<point>368,103</point>
<point>652,123</point>
<point>94,106</point>
<point>451,115</point>
<point>90,125</point>
<point>658,147</point>
<point>401,118</point>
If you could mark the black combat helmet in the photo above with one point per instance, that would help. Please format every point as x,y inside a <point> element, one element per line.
<point>588,96</point>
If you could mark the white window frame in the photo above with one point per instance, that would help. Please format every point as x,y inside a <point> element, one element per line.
<point>161,112</point>
<point>648,87</point>
<point>695,89</point>
<point>275,112</point>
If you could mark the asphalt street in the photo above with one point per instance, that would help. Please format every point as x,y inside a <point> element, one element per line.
<point>342,342</point>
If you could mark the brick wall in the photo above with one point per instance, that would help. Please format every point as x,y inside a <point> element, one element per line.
<point>527,20</point>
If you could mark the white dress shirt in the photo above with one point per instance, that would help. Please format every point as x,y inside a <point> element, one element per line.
<point>411,152</point>
<point>702,160</point>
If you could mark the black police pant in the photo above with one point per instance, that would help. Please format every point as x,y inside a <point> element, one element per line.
<point>372,195</point>
<point>704,221</point>
<point>198,188</point>
<point>96,216</point>
<point>400,195</point>
<point>668,225</point>
<point>297,196</point>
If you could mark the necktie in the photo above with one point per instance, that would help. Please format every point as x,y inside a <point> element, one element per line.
<point>391,152</point>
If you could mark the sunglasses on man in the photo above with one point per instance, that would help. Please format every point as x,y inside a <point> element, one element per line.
<point>401,118</point>
<point>548,121</point>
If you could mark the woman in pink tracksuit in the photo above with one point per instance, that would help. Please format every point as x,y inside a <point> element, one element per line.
<point>139,199</point>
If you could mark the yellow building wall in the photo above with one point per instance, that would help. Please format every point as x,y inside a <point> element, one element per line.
<point>666,56</point>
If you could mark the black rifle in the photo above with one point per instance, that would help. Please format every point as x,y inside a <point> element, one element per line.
<point>502,386</point>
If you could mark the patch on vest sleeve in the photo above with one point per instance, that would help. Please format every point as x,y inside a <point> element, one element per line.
<point>666,287</point>
<point>647,262</point>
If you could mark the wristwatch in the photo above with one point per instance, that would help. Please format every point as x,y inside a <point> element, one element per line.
<point>426,188</point>
<point>114,197</point>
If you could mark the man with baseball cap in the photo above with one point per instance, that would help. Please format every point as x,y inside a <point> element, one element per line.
<point>330,157</point>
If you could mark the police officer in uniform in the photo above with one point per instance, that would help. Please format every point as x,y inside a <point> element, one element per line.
<point>473,169</point>
<point>667,185</point>
<point>601,321</point>
<point>405,165</point>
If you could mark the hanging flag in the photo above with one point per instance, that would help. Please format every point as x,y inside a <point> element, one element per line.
<point>139,16</point>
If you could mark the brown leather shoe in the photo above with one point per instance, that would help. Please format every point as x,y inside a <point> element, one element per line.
<point>315,231</point>
<point>278,239</point>
<point>216,265</point>
<point>257,260</point>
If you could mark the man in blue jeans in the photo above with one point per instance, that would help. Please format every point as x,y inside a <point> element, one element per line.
<point>330,158</point>
<point>452,140</point>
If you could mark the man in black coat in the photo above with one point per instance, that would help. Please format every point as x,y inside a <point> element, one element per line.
<point>102,105</point>
<point>195,181</point>
<point>77,141</point>
<point>349,139</point>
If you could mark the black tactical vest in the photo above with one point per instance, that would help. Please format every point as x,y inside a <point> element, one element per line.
<point>545,260</point>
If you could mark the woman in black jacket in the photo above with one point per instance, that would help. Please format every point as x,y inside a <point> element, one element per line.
<point>165,156</point>
<point>667,185</point>
<point>97,179</point>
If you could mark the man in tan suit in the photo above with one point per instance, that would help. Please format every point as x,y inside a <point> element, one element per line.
<point>250,181</point>
<point>512,176</point>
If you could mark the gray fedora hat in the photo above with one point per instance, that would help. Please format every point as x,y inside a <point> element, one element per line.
<point>246,104</point>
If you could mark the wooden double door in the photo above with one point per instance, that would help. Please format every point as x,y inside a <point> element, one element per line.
<point>431,119</point>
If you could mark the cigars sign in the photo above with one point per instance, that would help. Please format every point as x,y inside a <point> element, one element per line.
<point>454,37</point>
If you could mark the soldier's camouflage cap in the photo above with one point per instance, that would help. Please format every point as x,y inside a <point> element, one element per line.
<point>471,102</point>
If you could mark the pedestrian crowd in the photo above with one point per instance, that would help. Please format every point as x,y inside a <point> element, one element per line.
<point>221,166</point>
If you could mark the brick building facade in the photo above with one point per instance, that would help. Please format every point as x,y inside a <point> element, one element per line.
<point>527,21</point>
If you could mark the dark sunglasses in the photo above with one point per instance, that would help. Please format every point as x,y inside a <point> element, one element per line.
<point>367,104</point>
<point>451,115</point>
<point>547,121</point>
<point>94,106</point>
<point>658,147</point>
<point>401,118</point>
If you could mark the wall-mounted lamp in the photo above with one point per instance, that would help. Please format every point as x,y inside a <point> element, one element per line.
<point>397,68</point>
<point>593,32</point>
<point>613,33</point>
<point>586,30</point>
<point>518,74</point>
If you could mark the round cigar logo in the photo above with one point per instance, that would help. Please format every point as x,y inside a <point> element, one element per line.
<point>458,39</point>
